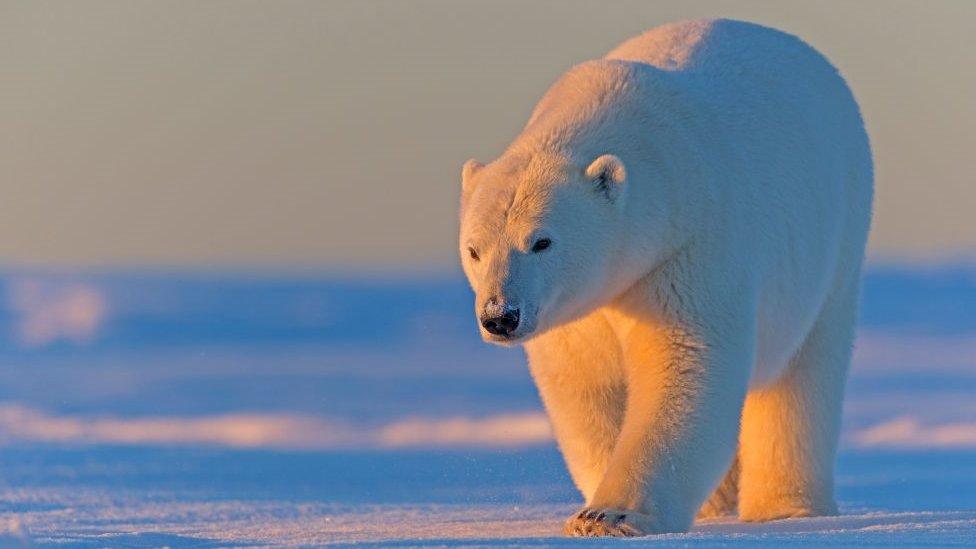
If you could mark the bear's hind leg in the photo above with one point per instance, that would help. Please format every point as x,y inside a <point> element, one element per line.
<point>790,428</point>
<point>724,500</point>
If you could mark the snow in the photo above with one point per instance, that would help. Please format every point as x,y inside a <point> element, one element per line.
<point>906,432</point>
<point>273,431</point>
<point>142,409</point>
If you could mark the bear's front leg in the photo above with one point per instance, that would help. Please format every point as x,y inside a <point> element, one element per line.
<point>686,387</point>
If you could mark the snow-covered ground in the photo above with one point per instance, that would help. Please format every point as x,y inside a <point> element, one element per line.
<point>170,409</point>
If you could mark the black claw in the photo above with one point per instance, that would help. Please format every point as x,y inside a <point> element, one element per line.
<point>630,531</point>
<point>619,519</point>
<point>601,516</point>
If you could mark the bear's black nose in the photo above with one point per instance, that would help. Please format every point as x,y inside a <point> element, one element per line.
<point>502,325</point>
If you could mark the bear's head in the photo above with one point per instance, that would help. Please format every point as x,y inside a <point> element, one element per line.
<point>538,239</point>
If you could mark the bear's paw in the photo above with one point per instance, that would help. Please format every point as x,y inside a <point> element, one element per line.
<point>608,522</point>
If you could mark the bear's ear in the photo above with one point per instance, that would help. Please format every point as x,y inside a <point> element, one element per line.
<point>470,168</point>
<point>607,174</point>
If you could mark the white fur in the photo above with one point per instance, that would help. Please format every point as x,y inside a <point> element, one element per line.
<point>694,313</point>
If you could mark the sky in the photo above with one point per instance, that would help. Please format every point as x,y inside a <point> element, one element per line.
<point>330,135</point>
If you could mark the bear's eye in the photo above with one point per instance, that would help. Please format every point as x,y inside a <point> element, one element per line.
<point>473,254</point>
<point>541,245</point>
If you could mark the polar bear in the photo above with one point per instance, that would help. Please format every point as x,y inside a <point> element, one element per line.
<point>676,238</point>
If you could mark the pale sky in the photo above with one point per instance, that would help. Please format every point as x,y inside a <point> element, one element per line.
<point>331,134</point>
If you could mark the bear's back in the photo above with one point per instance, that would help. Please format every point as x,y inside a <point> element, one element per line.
<point>669,47</point>
<point>719,45</point>
<point>760,82</point>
